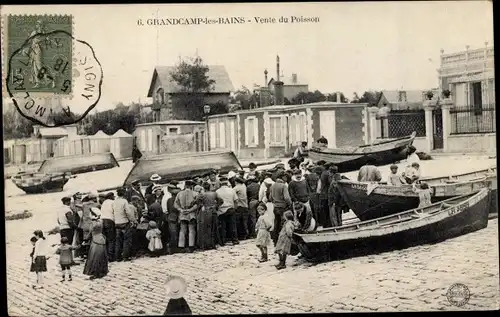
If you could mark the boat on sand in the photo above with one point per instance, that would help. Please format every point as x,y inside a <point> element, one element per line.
<point>349,159</point>
<point>443,220</point>
<point>374,200</point>
<point>182,166</point>
<point>76,164</point>
<point>38,183</point>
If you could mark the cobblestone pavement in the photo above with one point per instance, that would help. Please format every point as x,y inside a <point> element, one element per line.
<point>231,280</point>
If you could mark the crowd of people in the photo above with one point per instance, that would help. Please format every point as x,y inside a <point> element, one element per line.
<point>206,213</point>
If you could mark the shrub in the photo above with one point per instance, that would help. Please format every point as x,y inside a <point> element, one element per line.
<point>19,215</point>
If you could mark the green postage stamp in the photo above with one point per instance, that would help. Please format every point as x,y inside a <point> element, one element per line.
<point>38,49</point>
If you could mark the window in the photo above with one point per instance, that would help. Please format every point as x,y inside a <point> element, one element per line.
<point>142,145</point>
<point>222,135</point>
<point>251,131</point>
<point>173,130</point>
<point>275,130</point>
<point>160,97</point>
<point>150,139</point>
<point>212,136</point>
<point>293,129</point>
<point>302,127</point>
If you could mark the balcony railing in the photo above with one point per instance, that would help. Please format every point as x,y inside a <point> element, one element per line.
<point>473,119</point>
<point>465,56</point>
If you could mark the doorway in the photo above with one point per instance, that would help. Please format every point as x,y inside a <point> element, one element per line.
<point>437,129</point>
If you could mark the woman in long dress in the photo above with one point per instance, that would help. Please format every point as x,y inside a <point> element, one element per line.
<point>206,228</point>
<point>97,260</point>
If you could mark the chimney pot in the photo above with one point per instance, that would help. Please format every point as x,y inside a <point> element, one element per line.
<point>294,78</point>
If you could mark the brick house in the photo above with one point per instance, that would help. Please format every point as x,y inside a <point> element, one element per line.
<point>166,93</point>
<point>275,131</point>
<point>291,86</point>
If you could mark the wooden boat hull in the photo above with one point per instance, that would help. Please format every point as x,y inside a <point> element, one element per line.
<point>451,222</point>
<point>78,164</point>
<point>387,200</point>
<point>36,183</point>
<point>348,160</point>
<point>182,166</point>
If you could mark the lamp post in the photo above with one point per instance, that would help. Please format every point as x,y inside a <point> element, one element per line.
<point>206,111</point>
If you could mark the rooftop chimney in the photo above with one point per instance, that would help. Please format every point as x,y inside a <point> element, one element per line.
<point>277,68</point>
<point>265,78</point>
<point>339,99</point>
<point>279,97</point>
<point>294,78</point>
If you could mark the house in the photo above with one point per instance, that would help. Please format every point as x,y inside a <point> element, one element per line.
<point>462,120</point>
<point>166,93</point>
<point>407,99</point>
<point>170,136</point>
<point>275,131</point>
<point>291,86</point>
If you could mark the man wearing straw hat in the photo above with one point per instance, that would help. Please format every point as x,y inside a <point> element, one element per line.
<point>155,179</point>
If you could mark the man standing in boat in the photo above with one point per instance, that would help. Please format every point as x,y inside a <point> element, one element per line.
<point>335,200</point>
<point>369,172</point>
<point>300,152</point>
<point>322,142</point>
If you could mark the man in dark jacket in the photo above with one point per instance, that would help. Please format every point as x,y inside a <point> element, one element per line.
<point>280,198</point>
<point>136,154</point>
<point>253,188</point>
<point>324,210</point>
<point>336,202</point>
<point>172,216</point>
<point>312,185</point>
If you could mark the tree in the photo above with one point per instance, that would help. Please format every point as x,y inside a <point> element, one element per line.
<point>308,97</point>
<point>243,96</point>
<point>369,97</point>
<point>333,97</point>
<point>193,83</point>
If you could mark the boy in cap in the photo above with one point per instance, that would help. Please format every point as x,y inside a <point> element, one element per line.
<point>65,219</point>
<point>394,178</point>
<point>172,221</point>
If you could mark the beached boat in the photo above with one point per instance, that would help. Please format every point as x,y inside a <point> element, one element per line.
<point>77,164</point>
<point>38,183</point>
<point>372,200</point>
<point>443,220</point>
<point>350,159</point>
<point>182,166</point>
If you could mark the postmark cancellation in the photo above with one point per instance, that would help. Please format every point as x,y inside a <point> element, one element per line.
<point>39,52</point>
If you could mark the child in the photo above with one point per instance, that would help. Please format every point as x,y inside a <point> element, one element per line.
<point>424,194</point>
<point>154,237</point>
<point>40,255</point>
<point>33,242</point>
<point>394,178</point>
<point>176,289</point>
<point>263,228</point>
<point>65,252</point>
<point>284,243</point>
<point>97,260</point>
<point>412,174</point>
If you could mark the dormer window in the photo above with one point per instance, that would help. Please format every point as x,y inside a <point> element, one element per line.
<point>160,96</point>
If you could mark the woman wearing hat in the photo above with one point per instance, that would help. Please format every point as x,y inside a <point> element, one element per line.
<point>176,289</point>
<point>207,233</point>
<point>97,261</point>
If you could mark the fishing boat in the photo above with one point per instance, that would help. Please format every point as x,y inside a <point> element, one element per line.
<point>349,159</point>
<point>77,164</point>
<point>443,220</point>
<point>182,166</point>
<point>38,183</point>
<point>374,200</point>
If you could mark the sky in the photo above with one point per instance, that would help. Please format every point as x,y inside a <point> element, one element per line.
<point>354,47</point>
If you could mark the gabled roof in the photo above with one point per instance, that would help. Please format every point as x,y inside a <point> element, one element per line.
<point>218,73</point>
<point>100,135</point>
<point>171,122</point>
<point>289,82</point>
<point>121,134</point>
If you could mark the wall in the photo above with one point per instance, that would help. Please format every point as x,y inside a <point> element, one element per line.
<point>291,91</point>
<point>251,151</point>
<point>421,144</point>
<point>349,126</point>
<point>228,137</point>
<point>163,134</point>
<point>472,143</point>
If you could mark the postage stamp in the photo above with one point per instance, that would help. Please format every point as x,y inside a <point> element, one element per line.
<point>40,58</point>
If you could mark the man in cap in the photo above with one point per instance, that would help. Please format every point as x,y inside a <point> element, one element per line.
<point>172,218</point>
<point>298,188</point>
<point>322,141</point>
<point>312,180</point>
<point>213,180</point>
<point>322,190</point>
<point>252,171</point>
<point>336,202</point>
<point>184,202</point>
<point>253,188</point>
<point>300,152</point>
<point>369,172</point>
<point>241,208</point>
<point>280,198</point>
<point>66,221</point>
<point>278,170</point>
<point>135,190</point>
<point>155,211</point>
<point>226,212</point>
<point>125,224</point>
<point>108,224</point>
